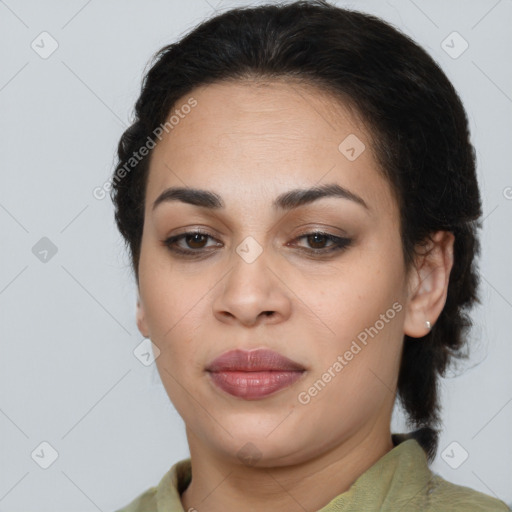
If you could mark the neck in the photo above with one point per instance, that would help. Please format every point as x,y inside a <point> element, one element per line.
<point>220,484</point>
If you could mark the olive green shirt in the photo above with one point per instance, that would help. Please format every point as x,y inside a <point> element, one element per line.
<point>399,481</point>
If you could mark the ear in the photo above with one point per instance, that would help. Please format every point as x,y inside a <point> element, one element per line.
<point>141,319</point>
<point>428,283</point>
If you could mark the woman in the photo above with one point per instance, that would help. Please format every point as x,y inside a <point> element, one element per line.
<point>303,257</point>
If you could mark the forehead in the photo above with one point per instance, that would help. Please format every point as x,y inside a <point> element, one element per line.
<point>260,137</point>
<point>251,113</point>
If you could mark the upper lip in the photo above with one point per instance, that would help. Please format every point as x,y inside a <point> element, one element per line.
<point>252,361</point>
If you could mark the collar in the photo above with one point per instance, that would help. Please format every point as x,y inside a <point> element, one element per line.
<point>397,478</point>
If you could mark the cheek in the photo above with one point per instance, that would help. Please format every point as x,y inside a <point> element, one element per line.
<point>362,305</point>
<point>351,296</point>
<point>174,304</point>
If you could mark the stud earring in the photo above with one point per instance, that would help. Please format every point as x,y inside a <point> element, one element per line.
<point>428,325</point>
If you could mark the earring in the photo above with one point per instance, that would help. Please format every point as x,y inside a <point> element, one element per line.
<point>428,325</point>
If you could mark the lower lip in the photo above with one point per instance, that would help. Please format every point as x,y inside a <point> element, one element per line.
<point>254,385</point>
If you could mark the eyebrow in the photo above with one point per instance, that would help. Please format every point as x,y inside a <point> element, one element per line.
<point>286,201</point>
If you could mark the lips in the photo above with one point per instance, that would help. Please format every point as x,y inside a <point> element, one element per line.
<point>253,361</point>
<point>255,374</point>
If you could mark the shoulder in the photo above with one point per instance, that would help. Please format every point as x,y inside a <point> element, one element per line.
<point>166,495</point>
<point>146,502</point>
<point>444,495</point>
<point>427,491</point>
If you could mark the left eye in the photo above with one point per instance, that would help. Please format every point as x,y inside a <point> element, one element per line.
<point>196,243</point>
<point>319,238</point>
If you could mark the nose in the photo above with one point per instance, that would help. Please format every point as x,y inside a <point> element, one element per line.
<point>252,293</point>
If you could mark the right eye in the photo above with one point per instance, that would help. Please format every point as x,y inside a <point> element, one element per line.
<point>194,240</point>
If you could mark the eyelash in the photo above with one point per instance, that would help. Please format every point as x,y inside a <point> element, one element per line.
<point>340,243</point>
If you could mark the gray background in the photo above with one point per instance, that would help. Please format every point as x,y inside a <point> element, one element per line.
<point>68,374</point>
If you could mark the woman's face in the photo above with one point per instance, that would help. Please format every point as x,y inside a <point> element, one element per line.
<point>259,278</point>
